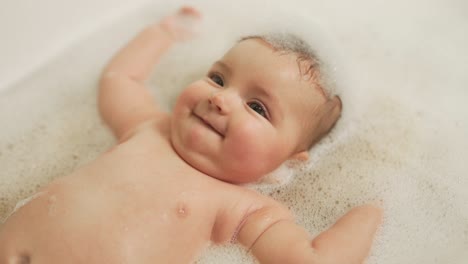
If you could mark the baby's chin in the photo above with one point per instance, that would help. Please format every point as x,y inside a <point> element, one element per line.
<point>213,167</point>
<point>225,174</point>
<point>234,177</point>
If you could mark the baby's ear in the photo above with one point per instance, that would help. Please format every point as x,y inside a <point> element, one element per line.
<point>327,116</point>
<point>330,114</point>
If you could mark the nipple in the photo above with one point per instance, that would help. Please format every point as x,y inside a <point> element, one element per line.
<point>182,210</point>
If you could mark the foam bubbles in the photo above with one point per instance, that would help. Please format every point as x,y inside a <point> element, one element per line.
<point>401,140</point>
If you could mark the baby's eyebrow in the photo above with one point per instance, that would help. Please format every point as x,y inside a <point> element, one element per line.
<point>223,65</point>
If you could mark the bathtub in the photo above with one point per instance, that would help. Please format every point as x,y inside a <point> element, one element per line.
<point>400,67</point>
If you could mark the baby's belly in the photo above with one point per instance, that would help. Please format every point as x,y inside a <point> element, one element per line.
<point>73,221</point>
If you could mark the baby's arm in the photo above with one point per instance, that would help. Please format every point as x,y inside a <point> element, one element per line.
<point>273,237</point>
<point>124,100</point>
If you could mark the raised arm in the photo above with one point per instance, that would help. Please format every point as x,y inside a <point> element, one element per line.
<point>273,237</point>
<point>124,101</point>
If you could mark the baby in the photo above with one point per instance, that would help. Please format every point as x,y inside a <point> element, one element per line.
<point>172,183</point>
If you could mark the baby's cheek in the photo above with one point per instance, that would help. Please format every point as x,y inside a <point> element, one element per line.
<point>250,147</point>
<point>187,98</point>
<point>195,92</point>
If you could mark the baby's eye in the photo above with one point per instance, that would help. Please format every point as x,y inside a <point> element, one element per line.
<point>259,108</point>
<point>216,78</point>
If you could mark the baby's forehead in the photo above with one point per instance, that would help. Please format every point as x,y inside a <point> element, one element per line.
<point>299,68</point>
<point>282,72</point>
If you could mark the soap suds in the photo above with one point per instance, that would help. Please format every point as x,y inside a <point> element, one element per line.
<point>401,139</point>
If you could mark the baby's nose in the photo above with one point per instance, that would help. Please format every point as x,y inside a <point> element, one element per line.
<point>218,101</point>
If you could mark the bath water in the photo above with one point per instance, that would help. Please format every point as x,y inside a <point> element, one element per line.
<point>401,140</point>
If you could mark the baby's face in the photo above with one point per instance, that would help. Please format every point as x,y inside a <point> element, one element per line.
<point>247,116</point>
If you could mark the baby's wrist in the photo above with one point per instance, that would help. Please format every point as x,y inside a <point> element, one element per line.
<point>181,26</point>
<point>157,29</point>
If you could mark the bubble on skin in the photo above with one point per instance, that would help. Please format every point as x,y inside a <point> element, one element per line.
<point>164,217</point>
<point>52,205</point>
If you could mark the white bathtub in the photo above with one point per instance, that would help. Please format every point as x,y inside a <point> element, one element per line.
<point>402,138</point>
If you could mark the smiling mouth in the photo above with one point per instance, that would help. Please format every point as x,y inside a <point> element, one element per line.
<point>208,125</point>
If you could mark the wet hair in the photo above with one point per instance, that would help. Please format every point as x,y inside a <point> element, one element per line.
<point>312,67</point>
<point>309,63</point>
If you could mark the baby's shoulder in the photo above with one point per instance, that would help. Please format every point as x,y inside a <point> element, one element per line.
<point>158,127</point>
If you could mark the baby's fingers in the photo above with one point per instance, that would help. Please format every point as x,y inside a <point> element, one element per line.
<point>184,24</point>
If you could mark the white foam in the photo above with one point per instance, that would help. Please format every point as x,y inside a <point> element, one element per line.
<point>402,138</point>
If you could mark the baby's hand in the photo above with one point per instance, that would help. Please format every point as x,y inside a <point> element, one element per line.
<point>182,25</point>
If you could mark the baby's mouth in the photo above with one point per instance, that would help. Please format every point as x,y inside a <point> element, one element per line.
<point>206,123</point>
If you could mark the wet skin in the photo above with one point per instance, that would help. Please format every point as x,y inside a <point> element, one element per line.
<point>135,202</point>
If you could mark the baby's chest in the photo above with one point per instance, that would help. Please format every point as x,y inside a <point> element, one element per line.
<point>173,207</point>
<point>148,194</point>
<point>130,214</point>
<point>147,186</point>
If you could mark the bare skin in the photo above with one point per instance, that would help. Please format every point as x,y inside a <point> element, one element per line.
<point>162,194</point>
